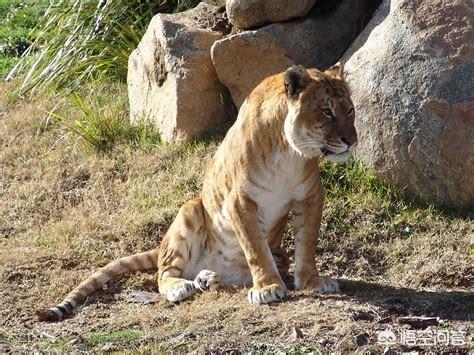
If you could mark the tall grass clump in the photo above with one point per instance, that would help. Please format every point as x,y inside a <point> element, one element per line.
<point>82,40</point>
<point>102,121</point>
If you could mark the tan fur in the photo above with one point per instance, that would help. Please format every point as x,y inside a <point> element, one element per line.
<point>266,167</point>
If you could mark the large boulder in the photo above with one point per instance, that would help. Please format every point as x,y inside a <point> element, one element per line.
<point>171,80</point>
<point>412,78</point>
<point>252,13</point>
<point>244,59</point>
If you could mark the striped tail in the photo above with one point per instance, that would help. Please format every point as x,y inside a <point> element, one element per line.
<point>137,262</point>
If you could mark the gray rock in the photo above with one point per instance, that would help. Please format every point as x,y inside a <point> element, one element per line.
<point>252,13</point>
<point>171,80</point>
<point>243,60</point>
<point>412,78</point>
<point>296,333</point>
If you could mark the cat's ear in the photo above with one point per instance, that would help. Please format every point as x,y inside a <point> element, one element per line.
<point>337,71</point>
<point>296,79</point>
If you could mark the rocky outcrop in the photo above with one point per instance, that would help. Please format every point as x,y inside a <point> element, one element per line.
<point>171,79</point>
<point>252,13</point>
<point>411,74</point>
<point>244,59</point>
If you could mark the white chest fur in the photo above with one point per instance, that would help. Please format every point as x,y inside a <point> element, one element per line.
<point>282,184</point>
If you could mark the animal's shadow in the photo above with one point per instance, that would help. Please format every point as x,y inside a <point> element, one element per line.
<point>396,301</point>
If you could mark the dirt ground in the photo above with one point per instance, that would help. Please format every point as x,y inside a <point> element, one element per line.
<point>225,322</point>
<point>66,210</point>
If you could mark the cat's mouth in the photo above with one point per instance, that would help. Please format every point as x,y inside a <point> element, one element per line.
<point>335,157</point>
<point>325,152</point>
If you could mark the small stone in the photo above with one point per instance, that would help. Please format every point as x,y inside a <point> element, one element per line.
<point>107,347</point>
<point>322,341</point>
<point>361,339</point>
<point>142,297</point>
<point>296,333</point>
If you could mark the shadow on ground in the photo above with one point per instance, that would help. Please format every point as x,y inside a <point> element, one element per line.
<point>395,302</point>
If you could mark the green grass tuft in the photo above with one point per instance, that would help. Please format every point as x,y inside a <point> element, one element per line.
<point>3,337</point>
<point>18,20</point>
<point>103,122</point>
<point>354,177</point>
<point>122,336</point>
<point>57,346</point>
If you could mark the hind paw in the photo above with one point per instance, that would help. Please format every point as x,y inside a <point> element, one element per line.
<point>183,291</point>
<point>330,286</point>
<point>207,280</point>
<point>324,284</point>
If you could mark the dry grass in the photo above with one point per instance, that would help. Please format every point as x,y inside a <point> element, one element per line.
<point>67,209</point>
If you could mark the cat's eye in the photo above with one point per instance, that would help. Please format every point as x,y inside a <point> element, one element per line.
<point>328,114</point>
<point>351,112</point>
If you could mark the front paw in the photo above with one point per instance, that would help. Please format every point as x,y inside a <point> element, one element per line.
<point>267,294</point>
<point>207,280</point>
<point>320,284</point>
